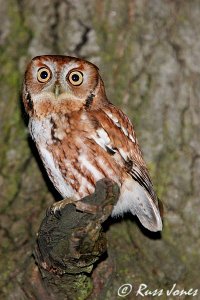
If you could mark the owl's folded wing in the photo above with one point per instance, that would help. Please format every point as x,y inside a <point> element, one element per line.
<point>115,134</point>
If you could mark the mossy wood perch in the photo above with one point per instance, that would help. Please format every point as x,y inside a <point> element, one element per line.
<point>69,244</point>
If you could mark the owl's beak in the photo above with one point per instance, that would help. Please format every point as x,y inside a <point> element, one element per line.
<point>57,90</point>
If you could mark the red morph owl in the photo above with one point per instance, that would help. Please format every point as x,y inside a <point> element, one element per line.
<point>82,138</point>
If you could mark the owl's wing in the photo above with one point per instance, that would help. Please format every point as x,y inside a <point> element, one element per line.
<point>115,134</point>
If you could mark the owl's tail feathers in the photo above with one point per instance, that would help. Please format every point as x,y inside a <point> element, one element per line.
<point>148,213</point>
<point>136,199</point>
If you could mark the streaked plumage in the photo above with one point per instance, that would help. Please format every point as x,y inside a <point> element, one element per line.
<point>82,137</point>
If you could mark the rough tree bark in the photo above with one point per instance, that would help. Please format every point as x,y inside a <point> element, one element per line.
<point>148,53</point>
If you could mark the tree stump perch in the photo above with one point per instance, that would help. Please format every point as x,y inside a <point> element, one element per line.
<point>69,244</point>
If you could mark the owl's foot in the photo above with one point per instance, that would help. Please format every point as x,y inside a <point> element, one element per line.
<point>56,208</point>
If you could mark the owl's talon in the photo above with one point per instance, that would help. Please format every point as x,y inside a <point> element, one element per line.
<point>56,208</point>
<point>57,212</point>
<point>52,211</point>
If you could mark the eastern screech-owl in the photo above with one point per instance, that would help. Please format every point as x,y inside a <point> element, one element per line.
<point>82,138</point>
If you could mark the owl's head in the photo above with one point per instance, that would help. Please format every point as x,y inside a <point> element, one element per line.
<point>63,84</point>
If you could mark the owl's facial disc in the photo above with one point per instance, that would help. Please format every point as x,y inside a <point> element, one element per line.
<point>59,80</point>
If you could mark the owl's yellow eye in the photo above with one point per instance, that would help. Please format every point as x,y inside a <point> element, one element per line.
<point>76,78</point>
<point>43,75</point>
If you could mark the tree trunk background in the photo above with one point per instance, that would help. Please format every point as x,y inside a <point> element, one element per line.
<point>148,53</point>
